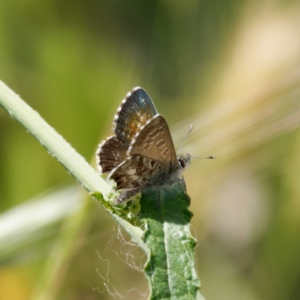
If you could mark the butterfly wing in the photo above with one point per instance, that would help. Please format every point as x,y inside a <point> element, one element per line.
<point>154,141</point>
<point>134,111</point>
<point>136,171</point>
<point>110,154</point>
<point>151,157</point>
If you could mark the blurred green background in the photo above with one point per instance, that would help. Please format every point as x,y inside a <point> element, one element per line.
<point>231,68</point>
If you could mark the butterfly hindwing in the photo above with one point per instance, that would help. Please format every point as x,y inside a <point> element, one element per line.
<point>110,154</point>
<point>137,171</point>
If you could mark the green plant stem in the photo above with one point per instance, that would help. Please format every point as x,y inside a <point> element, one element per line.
<point>62,151</point>
<point>52,141</point>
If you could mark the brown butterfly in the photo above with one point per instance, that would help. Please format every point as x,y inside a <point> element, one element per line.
<point>141,154</point>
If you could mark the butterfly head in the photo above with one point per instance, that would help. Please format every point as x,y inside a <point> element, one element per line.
<point>183,161</point>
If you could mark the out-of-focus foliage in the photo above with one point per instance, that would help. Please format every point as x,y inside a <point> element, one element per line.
<point>232,68</point>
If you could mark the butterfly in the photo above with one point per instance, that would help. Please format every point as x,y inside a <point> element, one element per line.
<point>141,153</point>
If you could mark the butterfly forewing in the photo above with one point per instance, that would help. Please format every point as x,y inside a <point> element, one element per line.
<point>135,110</point>
<point>155,142</point>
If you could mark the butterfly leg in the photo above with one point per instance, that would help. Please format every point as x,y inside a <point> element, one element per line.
<point>126,195</point>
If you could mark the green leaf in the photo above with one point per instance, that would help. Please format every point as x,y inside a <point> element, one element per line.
<point>171,266</point>
<point>165,220</point>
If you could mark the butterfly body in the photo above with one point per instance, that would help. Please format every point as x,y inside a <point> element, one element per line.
<point>141,154</point>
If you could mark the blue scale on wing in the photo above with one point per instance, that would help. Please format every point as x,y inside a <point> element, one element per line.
<point>135,110</point>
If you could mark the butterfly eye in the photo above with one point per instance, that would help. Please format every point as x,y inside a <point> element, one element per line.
<point>181,163</point>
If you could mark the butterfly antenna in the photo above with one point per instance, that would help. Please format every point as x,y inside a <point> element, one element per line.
<point>204,157</point>
<point>190,130</point>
